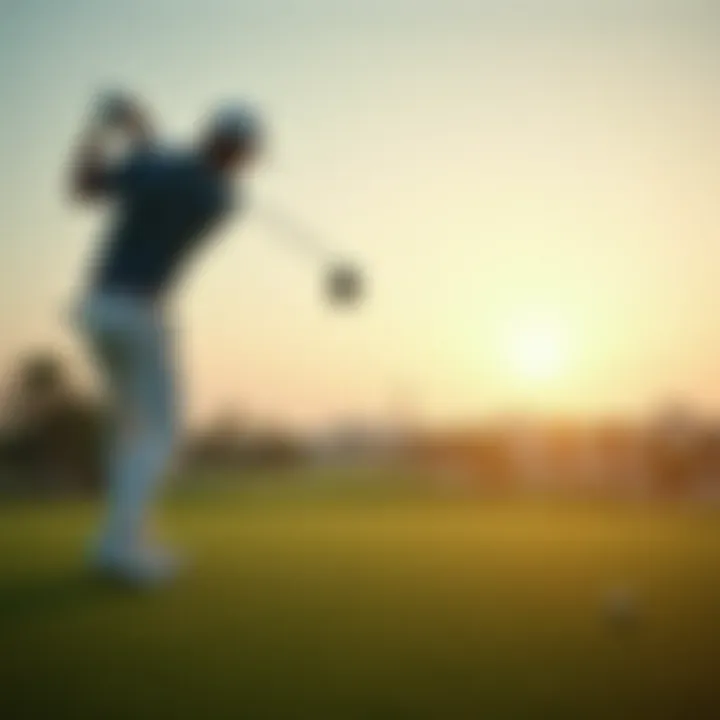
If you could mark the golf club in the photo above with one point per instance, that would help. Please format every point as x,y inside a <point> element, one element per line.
<point>343,284</point>
<point>343,281</point>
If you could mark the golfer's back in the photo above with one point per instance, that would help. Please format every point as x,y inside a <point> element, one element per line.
<point>167,201</point>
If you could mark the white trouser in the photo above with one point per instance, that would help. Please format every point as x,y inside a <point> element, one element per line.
<point>132,346</point>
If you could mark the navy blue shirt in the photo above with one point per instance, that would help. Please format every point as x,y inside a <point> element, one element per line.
<point>167,201</point>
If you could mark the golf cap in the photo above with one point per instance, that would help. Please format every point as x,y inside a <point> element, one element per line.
<point>234,123</point>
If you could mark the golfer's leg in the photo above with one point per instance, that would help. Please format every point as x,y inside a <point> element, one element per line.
<point>112,347</point>
<point>142,437</point>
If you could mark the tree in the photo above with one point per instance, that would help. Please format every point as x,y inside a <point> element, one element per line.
<point>53,439</point>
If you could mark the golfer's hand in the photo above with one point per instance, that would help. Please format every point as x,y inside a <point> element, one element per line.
<point>123,112</point>
<point>89,162</point>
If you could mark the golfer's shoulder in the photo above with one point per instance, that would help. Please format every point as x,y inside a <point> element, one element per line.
<point>168,164</point>
<point>146,159</point>
<point>160,156</point>
<point>169,158</point>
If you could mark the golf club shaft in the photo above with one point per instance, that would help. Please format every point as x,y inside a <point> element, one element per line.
<point>294,234</point>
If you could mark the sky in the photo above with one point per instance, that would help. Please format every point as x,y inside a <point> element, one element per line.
<point>531,187</point>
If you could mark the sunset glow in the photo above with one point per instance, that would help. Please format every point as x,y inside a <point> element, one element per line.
<point>536,351</point>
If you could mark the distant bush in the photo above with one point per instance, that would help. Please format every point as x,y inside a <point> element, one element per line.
<point>52,440</point>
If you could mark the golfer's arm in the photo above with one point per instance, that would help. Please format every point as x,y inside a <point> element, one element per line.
<point>90,165</point>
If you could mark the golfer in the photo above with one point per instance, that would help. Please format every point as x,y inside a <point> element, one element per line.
<point>165,203</point>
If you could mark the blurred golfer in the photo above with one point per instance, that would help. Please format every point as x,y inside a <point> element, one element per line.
<point>165,203</point>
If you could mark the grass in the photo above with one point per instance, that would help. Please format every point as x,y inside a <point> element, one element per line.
<point>321,601</point>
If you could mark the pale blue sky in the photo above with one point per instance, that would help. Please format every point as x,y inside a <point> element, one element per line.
<point>492,165</point>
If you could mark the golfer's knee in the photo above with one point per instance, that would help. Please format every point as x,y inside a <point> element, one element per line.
<point>165,436</point>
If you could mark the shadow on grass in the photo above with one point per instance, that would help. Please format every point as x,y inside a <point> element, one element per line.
<point>59,595</point>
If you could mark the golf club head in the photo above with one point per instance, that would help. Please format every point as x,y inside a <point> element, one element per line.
<point>344,286</point>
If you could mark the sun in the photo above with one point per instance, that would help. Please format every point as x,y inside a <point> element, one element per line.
<point>536,350</point>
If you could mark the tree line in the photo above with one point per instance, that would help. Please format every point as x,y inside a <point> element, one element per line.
<point>52,432</point>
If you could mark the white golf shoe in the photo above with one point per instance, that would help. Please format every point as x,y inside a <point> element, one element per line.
<point>141,568</point>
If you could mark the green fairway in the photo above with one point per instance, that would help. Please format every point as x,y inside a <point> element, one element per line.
<point>332,603</point>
